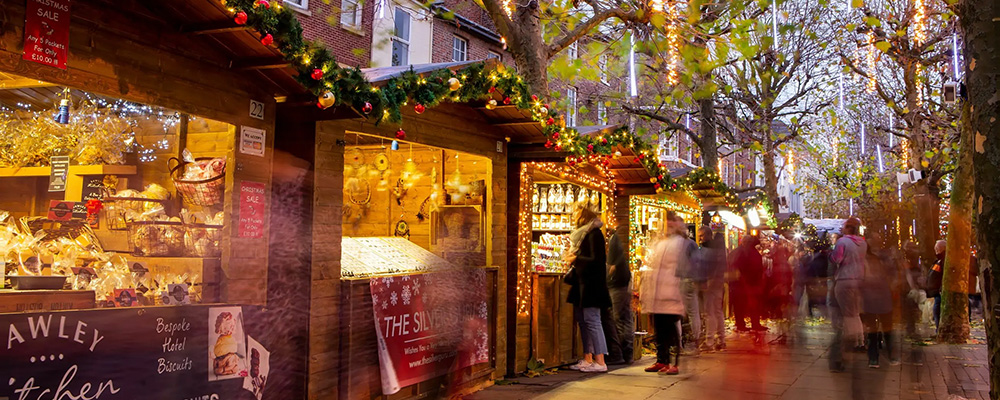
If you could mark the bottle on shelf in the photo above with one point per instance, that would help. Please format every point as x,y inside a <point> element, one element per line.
<point>570,198</point>
<point>543,200</point>
<point>534,199</point>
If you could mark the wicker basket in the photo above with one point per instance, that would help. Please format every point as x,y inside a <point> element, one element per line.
<point>205,192</point>
<point>117,210</point>
<point>201,240</point>
<point>156,238</point>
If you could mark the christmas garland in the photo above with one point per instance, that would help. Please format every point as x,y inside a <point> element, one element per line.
<point>319,73</point>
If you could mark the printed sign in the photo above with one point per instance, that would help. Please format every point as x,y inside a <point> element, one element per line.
<point>46,32</point>
<point>252,141</point>
<point>61,210</point>
<point>422,330</point>
<point>176,294</point>
<point>57,177</point>
<point>93,188</point>
<point>256,109</point>
<point>156,352</point>
<point>252,210</point>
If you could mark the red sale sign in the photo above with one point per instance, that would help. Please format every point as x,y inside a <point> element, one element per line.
<point>252,209</point>
<point>429,324</point>
<point>46,32</point>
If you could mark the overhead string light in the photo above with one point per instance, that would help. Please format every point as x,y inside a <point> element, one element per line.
<point>871,58</point>
<point>774,22</point>
<point>508,7</point>
<point>673,43</point>
<point>919,22</point>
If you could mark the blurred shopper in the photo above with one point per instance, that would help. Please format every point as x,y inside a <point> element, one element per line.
<point>876,296</point>
<point>975,297</point>
<point>660,295</point>
<point>779,286</point>
<point>848,259</point>
<point>619,286</point>
<point>588,287</point>
<point>915,295</point>
<point>747,286</point>
<point>934,279</point>
<point>710,262</point>
<point>691,283</point>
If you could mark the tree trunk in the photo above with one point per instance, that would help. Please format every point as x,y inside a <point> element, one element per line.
<point>955,289</point>
<point>529,50</point>
<point>982,51</point>
<point>770,171</point>
<point>708,145</point>
<point>928,212</point>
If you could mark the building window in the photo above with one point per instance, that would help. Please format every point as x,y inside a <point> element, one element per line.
<point>602,112</point>
<point>300,4</point>
<point>459,49</point>
<point>492,54</point>
<point>602,66</point>
<point>350,13</point>
<point>573,51</point>
<point>670,148</point>
<point>401,37</point>
<point>571,103</point>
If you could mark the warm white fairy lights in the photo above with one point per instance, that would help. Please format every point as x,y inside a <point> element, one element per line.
<point>919,22</point>
<point>870,57</point>
<point>673,43</point>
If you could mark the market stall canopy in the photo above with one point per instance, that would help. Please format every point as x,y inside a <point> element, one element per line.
<point>631,177</point>
<point>826,224</point>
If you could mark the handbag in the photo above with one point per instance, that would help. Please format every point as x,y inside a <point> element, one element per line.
<point>571,277</point>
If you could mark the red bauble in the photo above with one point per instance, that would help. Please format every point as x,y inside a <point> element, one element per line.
<point>555,135</point>
<point>558,148</point>
<point>550,121</point>
<point>506,100</point>
<point>604,141</point>
<point>673,186</point>
<point>656,185</point>
<point>320,105</point>
<point>636,159</point>
<point>606,162</point>
<point>367,108</point>
<point>317,74</point>
<point>590,148</point>
<point>572,163</point>
<point>492,89</point>
<point>534,98</point>
<point>660,177</point>
<point>548,144</point>
<point>419,108</point>
<point>641,156</point>
<point>263,3</point>
<point>400,134</point>
<point>241,18</point>
<point>267,40</point>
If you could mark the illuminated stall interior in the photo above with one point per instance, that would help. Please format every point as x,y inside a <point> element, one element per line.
<point>646,215</point>
<point>120,226</point>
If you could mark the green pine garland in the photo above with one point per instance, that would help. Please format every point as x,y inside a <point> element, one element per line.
<point>350,88</point>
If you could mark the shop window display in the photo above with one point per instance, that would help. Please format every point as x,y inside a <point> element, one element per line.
<point>108,202</point>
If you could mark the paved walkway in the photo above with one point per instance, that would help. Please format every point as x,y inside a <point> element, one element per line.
<point>798,370</point>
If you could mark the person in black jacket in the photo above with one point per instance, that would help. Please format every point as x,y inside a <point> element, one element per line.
<point>618,327</point>
<point>588,287</point>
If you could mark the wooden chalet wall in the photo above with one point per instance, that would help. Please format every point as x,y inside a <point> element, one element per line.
<point>332,363</point>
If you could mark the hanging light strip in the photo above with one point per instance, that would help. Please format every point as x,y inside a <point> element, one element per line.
<point>673,43</point>
<point>919,22</point>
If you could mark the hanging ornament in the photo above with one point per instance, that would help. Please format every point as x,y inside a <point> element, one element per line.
<point>267,39</point>
<point>326,100</point>
<point>506,100</point>
<point>604,141</point>
<point>555,135</point>
<point>550,121</point>
<point>454,84</point>
<point>492,104</point>
<point>656,185</point>
<point>492,89</point>
<point>400,134</point>
<point>618,154</point>
<point>63,116</point>
<point>394,145</point>
<point>367,108</point>
<point>317,74</point>
<point>263,3</point>
<point>652,180</point>
<point>419,108</point>
<point>558,148</point>
<point>590,148</point>
<point>241,18</point>
<point>543,110</point>
<point>548,144</point>
<point>534,98</point>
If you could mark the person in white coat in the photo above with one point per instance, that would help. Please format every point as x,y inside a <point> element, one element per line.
<point>660,294</point>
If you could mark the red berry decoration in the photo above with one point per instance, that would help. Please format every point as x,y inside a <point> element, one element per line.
<point>241,18</point>
<point>267,40</point>
<point>263,3</point>
<point>506,100</point>
<point>401,134</point>
<point>590,148</point>
<point>548,144</point>
<point>419,108</point>
<point>367,108</point>
<point>317,74</point>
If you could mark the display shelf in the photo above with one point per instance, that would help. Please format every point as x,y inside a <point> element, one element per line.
<point>551,230</point>
<point>80,170</point>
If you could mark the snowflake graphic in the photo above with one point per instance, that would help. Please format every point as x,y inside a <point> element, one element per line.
<point>416,286</point>
<point>374,298</point>
<point>393,298</point>
<point>406,278</point>
<point>423,297</point>
<point>482,347</point>
<point>483,312</point>
<point>406,295</point>
<point>388,280</point>
<point>385,304</point>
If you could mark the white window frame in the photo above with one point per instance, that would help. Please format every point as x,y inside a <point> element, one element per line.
<point>574,50</point>
<point>348,15</point>
<point>492,54</point>
<point>602,66</point>
<point>602,112</point>
<point>670,148</point>
<point>409,26</point>
<point>571,103</point>
<point>298,4</point>
<point>455,50</point>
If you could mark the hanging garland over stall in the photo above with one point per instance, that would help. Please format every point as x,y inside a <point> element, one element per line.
<point>333,85</point>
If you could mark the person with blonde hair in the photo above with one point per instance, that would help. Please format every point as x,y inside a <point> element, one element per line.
<point>588,287</point>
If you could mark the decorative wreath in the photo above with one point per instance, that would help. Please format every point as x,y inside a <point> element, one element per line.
<point>381,162</point>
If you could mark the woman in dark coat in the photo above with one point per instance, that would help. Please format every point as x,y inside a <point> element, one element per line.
<point>588,287</point>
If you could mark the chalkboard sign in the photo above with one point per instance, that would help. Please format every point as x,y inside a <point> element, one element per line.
<point>189,352</point>
<point>93,188</point>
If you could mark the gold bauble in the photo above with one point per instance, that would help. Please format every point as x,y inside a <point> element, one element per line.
<point>454,84</point>
<point>327,100</point>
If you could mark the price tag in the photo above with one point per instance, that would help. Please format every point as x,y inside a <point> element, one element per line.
<point>256,109</point>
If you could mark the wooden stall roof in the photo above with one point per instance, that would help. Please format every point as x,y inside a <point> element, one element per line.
<point>631,177</point>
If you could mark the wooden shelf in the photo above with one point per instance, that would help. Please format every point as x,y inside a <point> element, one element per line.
<point>80,170</point>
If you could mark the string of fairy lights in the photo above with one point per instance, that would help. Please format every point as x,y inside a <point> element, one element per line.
<point>687,212</point>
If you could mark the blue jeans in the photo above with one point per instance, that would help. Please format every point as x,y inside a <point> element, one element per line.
<point>591,331</point>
